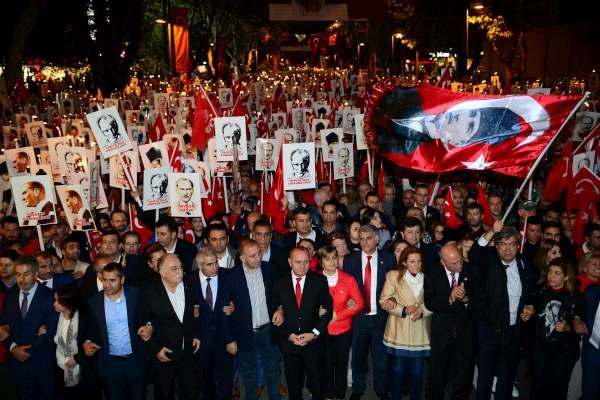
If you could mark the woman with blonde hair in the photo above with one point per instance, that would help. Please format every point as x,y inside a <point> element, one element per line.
<point>406,334</point>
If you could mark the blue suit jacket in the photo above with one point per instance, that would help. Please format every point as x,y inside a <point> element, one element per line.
<point>238,326</point>
<point>61,279</point>
<point>23,331</point>
<point>353,266</point>
<point>96,330</point>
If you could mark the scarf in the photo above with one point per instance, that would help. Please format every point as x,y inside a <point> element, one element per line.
<point>415,283</point>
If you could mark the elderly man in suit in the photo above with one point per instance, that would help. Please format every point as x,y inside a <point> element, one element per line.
<point>369,267</point>
<point>302,295</point>
<point>215,364</point>
<point>447,294</point>
<point>32,321</point>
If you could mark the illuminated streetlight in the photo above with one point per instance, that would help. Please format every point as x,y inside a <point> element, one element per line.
<point>160,21</point>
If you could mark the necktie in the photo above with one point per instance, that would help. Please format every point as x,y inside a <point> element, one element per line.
<point>367,285</point>
<point>453,276</point>
<point>45,283</point>
<point>298,292</point>
<point>209,296</point>
<point>24,304</point>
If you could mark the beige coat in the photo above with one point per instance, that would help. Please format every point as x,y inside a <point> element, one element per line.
<point>404,334</point>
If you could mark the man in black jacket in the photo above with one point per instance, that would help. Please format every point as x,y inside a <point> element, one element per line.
<point>166,235</point>
<point>503,301</point>
<point>168,305</point>
<point>447,294</point>
<point>302,294</point>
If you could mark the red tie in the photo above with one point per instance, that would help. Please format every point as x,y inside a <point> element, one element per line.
<point>298,292</point>
<point>367,285</point>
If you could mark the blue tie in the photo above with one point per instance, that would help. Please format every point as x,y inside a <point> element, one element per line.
<point>24,304</point>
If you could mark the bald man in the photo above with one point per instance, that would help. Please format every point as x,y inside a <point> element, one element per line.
<point>447,293</point>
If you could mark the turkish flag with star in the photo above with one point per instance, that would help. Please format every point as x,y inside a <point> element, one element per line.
<point>583,190</point>
<point>435,130</point>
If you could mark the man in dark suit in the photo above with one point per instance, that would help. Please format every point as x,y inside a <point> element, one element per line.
<point>110,246</point>
<point>166,235</point>
<point>422,201</point>
<point>168,305</point>
<point>215,364</point>
<point>503,301</point>
<point>411,231</point>
<point>217,239</point>
<point>111,336</point>
<point>447,290</point>
<point>369,267</point>
<point>91,281</point>
<point>262,233</point>
<point>46,274</point>
<point>31,319</point>
<point>302,295</point>
<point>247,331</point>
<point>304,230</point>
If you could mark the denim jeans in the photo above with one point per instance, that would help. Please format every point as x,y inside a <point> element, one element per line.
<point>270,360</point>
<point>415,367</point>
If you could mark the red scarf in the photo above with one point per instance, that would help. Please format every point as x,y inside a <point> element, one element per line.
<point>585,281</point>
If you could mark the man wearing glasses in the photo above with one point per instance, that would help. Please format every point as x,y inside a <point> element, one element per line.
<point>503,303</point>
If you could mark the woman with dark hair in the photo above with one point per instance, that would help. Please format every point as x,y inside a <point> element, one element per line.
<point>374,217</point>
<point>397,247</point>
<point>406,335</point>
<point>557,344</point>
<point>547,251</point>
<point>347,302</point>
<point>69,303</point>
<point>353,237</point>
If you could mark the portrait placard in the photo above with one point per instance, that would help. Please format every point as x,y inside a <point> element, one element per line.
<point>36,133</point>
<point>225,97</point>
<point>217,168</point>
<point>156,184</point>
<point>117,176</point>
<point>583,160</point>
<point>230,132</point>
<point>34,199</point>
<point>317,126</point>
<point>137,134</point>
<point>331,137</point>
<point>184,194</point>
<point>298,118</point>
<point>267,154</point>
<point>343,161</point>
<point>76,208</point>
<point>20,160</point>
<point>361,143</point>
<point>72,160</point>
<point>154,155</point>
<point>299,166</point>
<point>109,131</point>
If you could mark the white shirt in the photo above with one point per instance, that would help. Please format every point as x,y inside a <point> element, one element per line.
<point>514,288</point>
<point>224,261</point>
<point>214,285</point>
<point>258,296</point>
<point>373,299</point>
<point>266,257</point>
<point>99,284</point>
<point>177,300</point>
<point>312,236</point>
<point>332,279</point>
<point>49,282</point>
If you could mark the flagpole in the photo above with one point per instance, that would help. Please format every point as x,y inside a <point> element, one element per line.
<point>209,101</point>
<point>225,194</point>
<point>40,237</point>
<point>539,159</point>
<point>369,167</point>
<point>436,187</point>
<point>592,135</point>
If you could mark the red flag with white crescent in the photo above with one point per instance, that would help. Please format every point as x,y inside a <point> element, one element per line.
<point>450,217</point>
<point>583,190</point>
<point>435,130</point>
<point>141,229</point>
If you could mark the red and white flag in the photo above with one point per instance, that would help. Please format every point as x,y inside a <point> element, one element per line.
<point>446,78</point>
<point>141,229</point>
<point>450,217</point>
<point>203,126</point>
<point>435,130</point>
<point>488,218</point>
<point>559,175</point>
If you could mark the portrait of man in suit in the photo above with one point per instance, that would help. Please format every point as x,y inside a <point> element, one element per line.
<point>299,161</point>
<point>109,128</point>
<point>39,209</point>
<point>81,218</point>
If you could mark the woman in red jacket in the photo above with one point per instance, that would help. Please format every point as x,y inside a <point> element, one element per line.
<point>347,302</point>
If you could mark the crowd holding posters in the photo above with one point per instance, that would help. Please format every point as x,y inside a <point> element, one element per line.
<point>217,168</point>
<point>267,154</point>
<point>118,177</point>
<point>185,192</point>
<point>76,207</point>
<point>299,166</point>
<point>34,199</point>
<point>109,131</point>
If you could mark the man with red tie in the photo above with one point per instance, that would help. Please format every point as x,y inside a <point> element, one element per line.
<point>301,295</point>
<point>369,267</point>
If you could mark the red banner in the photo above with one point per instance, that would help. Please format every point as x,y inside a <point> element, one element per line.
<point>181,38</point>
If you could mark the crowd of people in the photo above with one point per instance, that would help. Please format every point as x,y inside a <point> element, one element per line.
<point>357,276</point>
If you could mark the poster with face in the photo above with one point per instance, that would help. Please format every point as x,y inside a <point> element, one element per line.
<point>19,161</point>
<point>225,97</point>
<point>54,146</point>
<point>82,179</point>
<point>203,169</point>
<point>154,155</point>
<point>361,143</point>
<point>185,194</point>
<point>317,126</point>
<point>217,168</point>
<point>161,103</point>
<point>109,131</point>
<point>34,199</point>
<point>298,118</point>
<point>260,89</point>
<point>252,133</point>
<point>156,184</point>
<point>117,176</point>
<point>230,132</point>
<point>187,102</point>
<point>267,154</point>
<point>72,160</point>
<point>175,146</point>
<point>583,160</point>
<point>137,134</point>
<point>343,161</point>
<point>41,169</point>
<point>585,122</point>
<point>280,120</point>
<point>110,103</point>
<point>348,122</point>
<point>11,136</point>
<point>76,207</point>
<point>36,133</point>
<point>299,166</point>
<point>331,137</point>
<point>131,117</point>
<point>290,135</point>
<point>321,110</point>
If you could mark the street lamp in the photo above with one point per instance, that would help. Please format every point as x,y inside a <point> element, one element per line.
<point>361,44</point>
<point>394,37</point>
<point>477,7</point>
